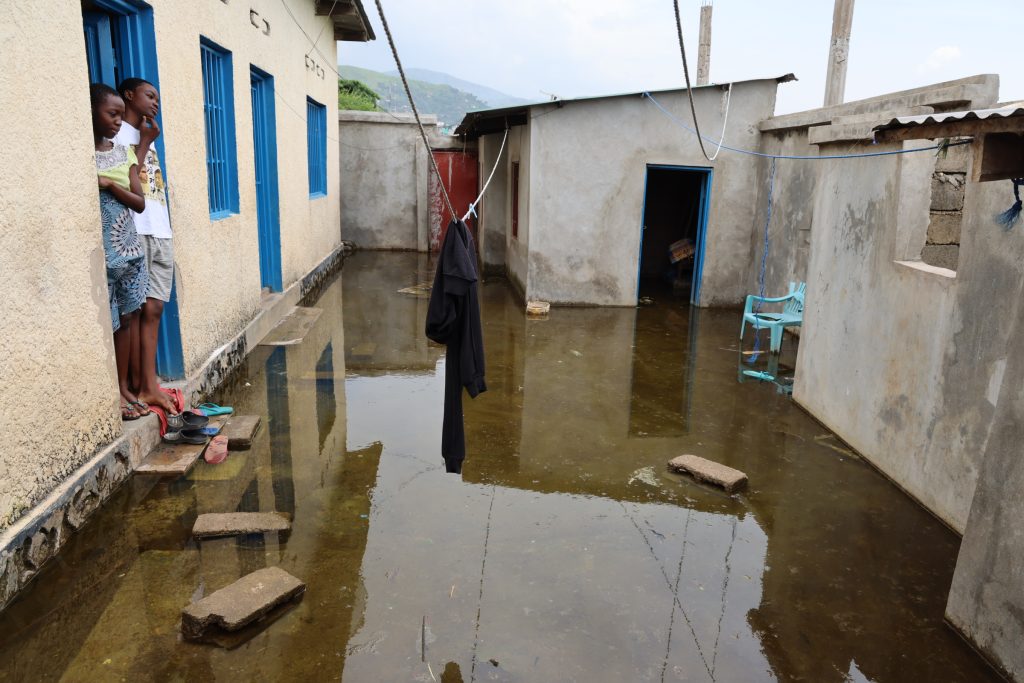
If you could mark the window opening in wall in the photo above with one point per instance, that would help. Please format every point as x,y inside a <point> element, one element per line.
<point>219,110</point>
<point>941,247</point>
<point>672,237</point>
<point>515,199</point>
<point>316,140</point>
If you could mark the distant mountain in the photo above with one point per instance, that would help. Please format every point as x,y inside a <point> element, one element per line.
<point>449,104</point>
<point>492,97</point>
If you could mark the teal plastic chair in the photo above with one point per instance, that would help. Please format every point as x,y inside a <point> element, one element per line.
<point>792,314</point>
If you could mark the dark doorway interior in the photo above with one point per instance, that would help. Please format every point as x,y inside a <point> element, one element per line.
<point>671,226</point>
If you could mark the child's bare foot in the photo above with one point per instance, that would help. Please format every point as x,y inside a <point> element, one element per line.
<point>159,399</point>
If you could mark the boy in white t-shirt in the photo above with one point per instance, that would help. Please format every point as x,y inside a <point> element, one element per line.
<point>139,130</point>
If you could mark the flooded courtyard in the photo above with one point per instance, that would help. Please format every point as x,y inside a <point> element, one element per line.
<point>564,552</point>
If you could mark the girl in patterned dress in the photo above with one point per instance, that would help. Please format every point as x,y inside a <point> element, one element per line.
<point>120,190</point>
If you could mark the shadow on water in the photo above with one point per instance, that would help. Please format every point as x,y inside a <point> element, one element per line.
<point>565,552</point>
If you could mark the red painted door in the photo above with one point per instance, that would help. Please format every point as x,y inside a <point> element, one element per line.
<point>460,174</point>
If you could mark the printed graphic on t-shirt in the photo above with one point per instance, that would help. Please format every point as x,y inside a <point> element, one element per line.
<point>152,178</point>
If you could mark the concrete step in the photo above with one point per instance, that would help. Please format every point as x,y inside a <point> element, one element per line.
<point>293,328</point>
<point>708,471</point>
<point>213,524</point>
<point>240,603</point>
<point>240,430</point>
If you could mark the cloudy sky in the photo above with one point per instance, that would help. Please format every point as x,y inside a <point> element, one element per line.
<point>573,48</point>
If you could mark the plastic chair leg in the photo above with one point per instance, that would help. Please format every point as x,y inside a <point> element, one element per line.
<point>777,338</point>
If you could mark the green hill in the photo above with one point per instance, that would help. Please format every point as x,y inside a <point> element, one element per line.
<point>447,103</point>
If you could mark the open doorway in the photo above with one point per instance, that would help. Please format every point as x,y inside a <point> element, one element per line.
<point>120,42</point>
<point>672,237</point>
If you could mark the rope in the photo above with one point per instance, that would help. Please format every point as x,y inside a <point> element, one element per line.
<point>822,157</point>
<point>725,122</point>
<point>472,207</point>
<point>689,90</point>
<point>412,102</point>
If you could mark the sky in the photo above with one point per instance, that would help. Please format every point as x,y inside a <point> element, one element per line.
<point>573,48</point>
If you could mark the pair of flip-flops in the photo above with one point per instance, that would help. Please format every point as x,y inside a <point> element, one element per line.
<point>133,410</point>
<point>212,409</point>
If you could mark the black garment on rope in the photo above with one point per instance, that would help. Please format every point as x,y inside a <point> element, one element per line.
<point>453,319</point>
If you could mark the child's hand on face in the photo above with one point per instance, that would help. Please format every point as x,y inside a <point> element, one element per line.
<point>105,182</point>
<point>149,131</point>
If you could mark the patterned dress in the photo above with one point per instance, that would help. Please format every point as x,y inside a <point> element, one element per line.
<point>127,279</point>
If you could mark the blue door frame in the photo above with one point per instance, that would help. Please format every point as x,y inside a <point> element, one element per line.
<point>120,42</point>
<point>702,225</point>
<point>268,218</point>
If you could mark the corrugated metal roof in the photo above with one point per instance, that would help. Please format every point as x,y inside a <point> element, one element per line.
<point>1008,111</point>
<point>516,114</point>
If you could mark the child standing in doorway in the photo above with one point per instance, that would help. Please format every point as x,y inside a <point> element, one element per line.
<point>120,194</point>
<point>139,130</point>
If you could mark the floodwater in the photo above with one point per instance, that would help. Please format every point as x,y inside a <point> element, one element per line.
<point>565,551</point>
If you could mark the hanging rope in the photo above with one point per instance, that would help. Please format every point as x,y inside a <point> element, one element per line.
<point>472,207</point>
<point>689,90</point>
<point>1007,219</point>
<point>412,103</point>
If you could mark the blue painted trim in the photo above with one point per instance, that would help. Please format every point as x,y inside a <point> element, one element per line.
<point>268,217</point>
<point>219,123</point>
<point>316,147</point>
<point>643,214</point>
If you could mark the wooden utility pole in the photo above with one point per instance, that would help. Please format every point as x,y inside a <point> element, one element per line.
<point>704,51</point>
<point>838,53</point>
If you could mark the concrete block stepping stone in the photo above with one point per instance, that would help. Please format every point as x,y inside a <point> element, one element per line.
<point>241,603</point>
<point>293,328</point>
<point>214,524</point>
<point>710,472</point>
<point>240,429</point>
<point>167,459</point>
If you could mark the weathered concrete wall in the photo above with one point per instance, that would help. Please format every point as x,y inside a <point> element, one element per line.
<point>986,601</point>
<point>493,208</point>
<point>517,248</point>
<point>222,257</point>
<point>900,358</point>
<point>587,178</point>
<point>384,169</point>
<point>58,404</point>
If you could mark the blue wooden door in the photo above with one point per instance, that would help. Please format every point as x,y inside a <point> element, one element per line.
<point>120,43</point>
<point>264,133</point>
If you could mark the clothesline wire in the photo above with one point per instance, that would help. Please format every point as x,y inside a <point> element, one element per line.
<point>472,207</point>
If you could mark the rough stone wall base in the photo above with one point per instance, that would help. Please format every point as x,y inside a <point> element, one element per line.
<point>38,535</point>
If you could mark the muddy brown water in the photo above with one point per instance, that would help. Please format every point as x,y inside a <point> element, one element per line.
<point>565,551</point>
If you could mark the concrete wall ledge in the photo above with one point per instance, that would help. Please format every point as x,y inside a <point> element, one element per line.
<point>935,271</point>
<point>355,116</point>
<point>37,536</point>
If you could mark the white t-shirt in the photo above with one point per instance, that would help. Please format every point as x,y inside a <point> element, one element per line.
<point>154,220</point>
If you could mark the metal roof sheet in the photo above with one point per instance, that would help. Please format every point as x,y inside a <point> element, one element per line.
<point>1007,111</point>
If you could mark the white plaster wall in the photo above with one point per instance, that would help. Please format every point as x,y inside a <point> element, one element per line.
<point>218,261</point>
<point>58,401</point>
<point>383,181</point>
<point>896,360</point>
<point>587,184</point>
<point>493,208</point>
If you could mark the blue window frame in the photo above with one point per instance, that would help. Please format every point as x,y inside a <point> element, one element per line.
<point>219,110</point>
<point>316,140</point>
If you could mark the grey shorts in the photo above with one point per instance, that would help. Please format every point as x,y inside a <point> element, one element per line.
<point>160,264</point>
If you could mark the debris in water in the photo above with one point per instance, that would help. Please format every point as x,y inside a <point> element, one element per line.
<point>576,353</point>
<point>452,592</point>
<point>537,309</point>
<point>646,301</point>
<point>709,471</point>
<point>645,475</point>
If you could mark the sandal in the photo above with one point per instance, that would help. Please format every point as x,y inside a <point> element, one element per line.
<point>217,451</point>
<point>186,420</point>
<point>128,412</point>
<point>141,408</point>
<point>190,436</point>
<point>213,410</point>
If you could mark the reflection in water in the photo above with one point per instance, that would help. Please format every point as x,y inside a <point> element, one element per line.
<point>565,553</point>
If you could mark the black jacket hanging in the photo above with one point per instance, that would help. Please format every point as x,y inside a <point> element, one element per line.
<point>453,319</point>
